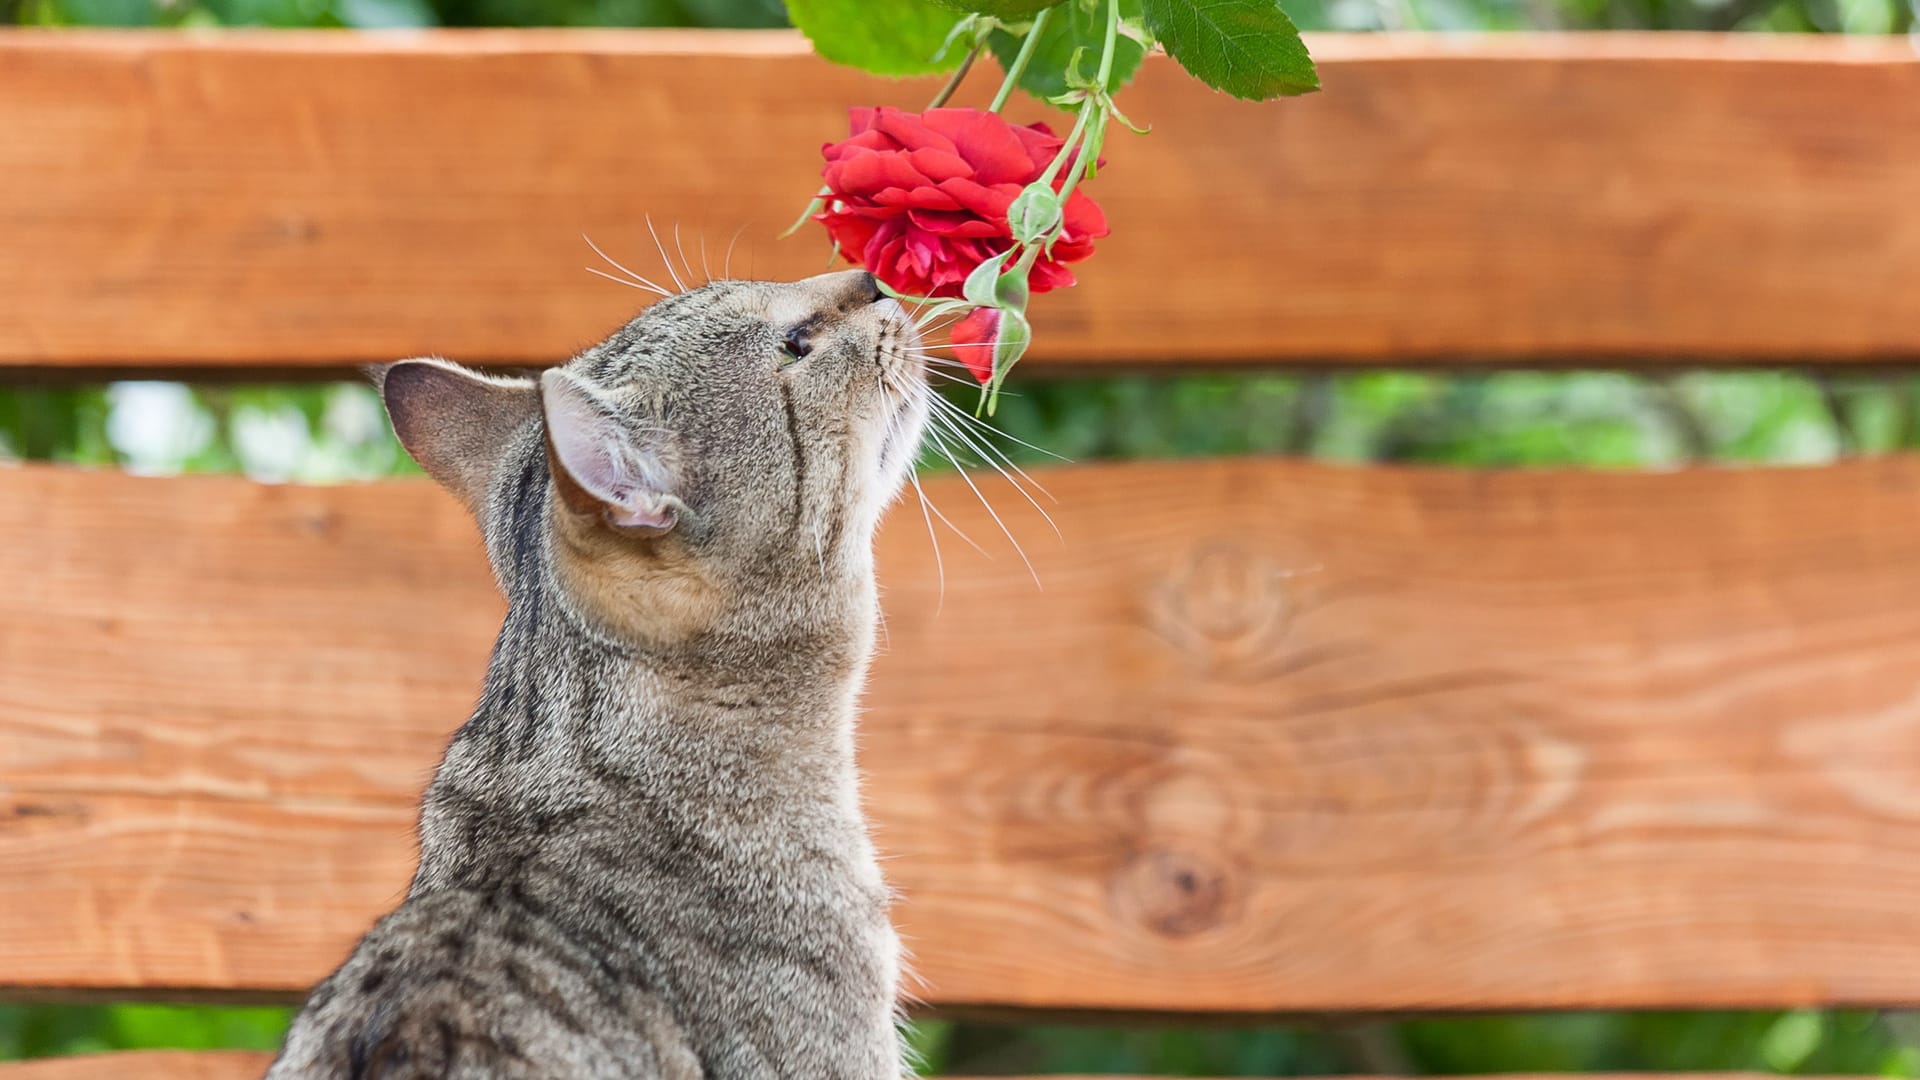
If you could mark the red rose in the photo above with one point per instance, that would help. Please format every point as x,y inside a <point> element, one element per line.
<point>921,199</point>
<point>974,337</point>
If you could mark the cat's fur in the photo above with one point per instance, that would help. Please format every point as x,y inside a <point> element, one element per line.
<point>644,855</point>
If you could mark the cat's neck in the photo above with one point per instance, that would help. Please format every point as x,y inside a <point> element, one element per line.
<point>575,722</point>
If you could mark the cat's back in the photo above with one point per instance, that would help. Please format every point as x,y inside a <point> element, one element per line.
<point>463,985</point>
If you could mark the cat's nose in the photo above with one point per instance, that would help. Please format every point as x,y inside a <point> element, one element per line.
<point>848,289</point>
<point>862,288</point>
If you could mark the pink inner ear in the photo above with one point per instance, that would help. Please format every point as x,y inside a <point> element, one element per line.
<point>639,517</point>
<point>600,455</point>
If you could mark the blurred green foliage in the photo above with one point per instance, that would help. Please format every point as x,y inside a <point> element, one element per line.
<point>28,1031</point>
<point>331,432</point>
<point>1585,419</point>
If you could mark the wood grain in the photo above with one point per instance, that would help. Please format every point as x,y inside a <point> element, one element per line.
<point>252,199</point>
<point>1275,737</point>
<point>145,1065</point>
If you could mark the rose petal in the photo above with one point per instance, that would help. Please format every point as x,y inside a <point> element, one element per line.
<point>1040,144</point>
<point>938,165</point>
<point>866,173</point>
<point>973,338</point>
<point>1083,217</point>
<point>1048,275</point>
<point>921,198</point>
<point>911,132</point>
<point>954,224</point>
<point>986,142</point>
<point>990,203</point>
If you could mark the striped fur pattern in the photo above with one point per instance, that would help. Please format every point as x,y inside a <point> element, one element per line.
<point>643,856</point>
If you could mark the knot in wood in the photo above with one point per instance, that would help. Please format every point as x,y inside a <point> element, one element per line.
<point>1173,893</point>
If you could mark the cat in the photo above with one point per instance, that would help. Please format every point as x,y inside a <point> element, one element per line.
<point>644,856</point>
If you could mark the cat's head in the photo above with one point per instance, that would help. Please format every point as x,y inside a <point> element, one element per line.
<point>723,457</point>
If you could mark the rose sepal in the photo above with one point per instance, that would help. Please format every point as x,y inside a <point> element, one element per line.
<point>1008,347</point>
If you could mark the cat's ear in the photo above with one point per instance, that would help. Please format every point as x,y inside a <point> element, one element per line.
<point>455,422</point>
<point>603,464</point>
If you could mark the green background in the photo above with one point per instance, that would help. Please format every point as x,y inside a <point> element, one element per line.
<point>334,432</point>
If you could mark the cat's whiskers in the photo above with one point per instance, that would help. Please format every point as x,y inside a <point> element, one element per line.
<point>726,264</point>
<point>961,414</point>
<point>642,282</point>
<point>939,566</point>
<point>947,452</point>
<point>987,460</point>
<point>987,432</point>
<point>684,261</point>
<point>981,442</point>
<point>617,280</point>
<point>939,360</point>
<point>952,378</point>
<point>957,530</point>
<point>896,410</point>
<point>937,353</point>
<point>664,261</point>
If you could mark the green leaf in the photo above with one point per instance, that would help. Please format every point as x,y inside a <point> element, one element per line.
<point>1001,9</point>
<point>1071,27</point>
<point>1247,48</point>
<point>901,37</point>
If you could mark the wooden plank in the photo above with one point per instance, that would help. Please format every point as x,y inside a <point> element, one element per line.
<point>147,1065</point>
<point>1276,737</point>
<point>250,199</point>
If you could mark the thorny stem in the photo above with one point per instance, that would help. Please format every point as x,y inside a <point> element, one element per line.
<point>1019,64</point>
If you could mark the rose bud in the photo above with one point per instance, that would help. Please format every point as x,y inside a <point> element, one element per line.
<point>973,338</point>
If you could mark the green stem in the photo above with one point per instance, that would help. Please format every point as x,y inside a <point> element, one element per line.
<point>1099,102</point>
<point>1106,54</point>
<point>1066,148</point>
<point>1078,174</point>
<point>959,74</point>
<point>1024,265</point>
<point>1020,61</point>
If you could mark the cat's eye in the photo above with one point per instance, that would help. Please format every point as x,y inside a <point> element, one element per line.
<point>797,344</point>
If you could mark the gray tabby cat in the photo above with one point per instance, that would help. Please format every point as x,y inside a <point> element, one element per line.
<point>644,855</point>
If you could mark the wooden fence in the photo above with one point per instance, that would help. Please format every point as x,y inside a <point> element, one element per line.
<point>1276,737</point>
